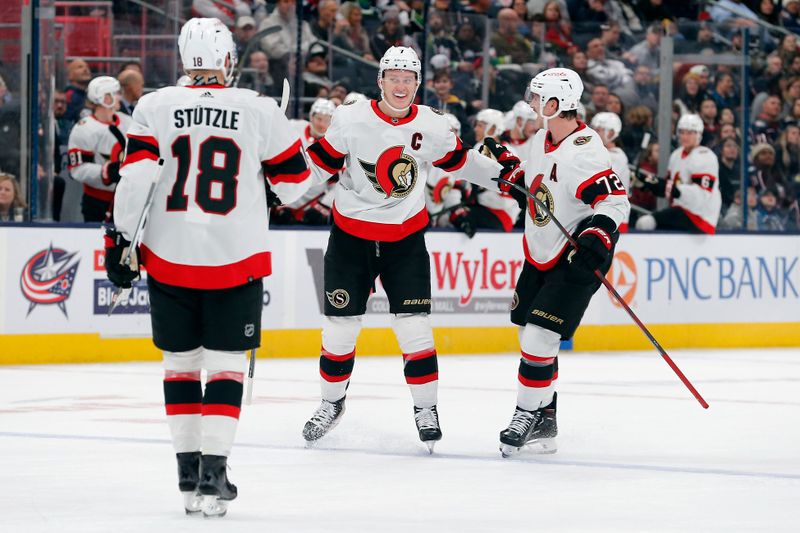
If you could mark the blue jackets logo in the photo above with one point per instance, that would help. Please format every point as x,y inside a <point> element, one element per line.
<point>48,277</point>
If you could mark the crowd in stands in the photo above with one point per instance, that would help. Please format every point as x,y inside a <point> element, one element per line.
<point>613,44</point>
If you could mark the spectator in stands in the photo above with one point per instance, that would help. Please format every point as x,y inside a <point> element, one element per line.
<point>507,40</point>
<point>788,48</point>
<point>708,113</point>
<point>766,127</point>
<point>638,121</point>
<point>390,33</point>
<point>724,92</point>
<point>794,66</point>
<point>769,79</point>
<point>771,216</point>
<point>338,93</point>
<point>280,46</point>
<point>647,51</point>
<point>130,65</point>
<point>787,151</point>
<point>315,75</point>
<point>610,35</point>
<point>558,31</point>
<point>733,14</point>
<point>589,15</point>
<point>256,74</point>
<point>726,116</point>
<point>729,131</point>
<point>615,105</point>
<point>243,33</point>
<point>349,32</point>
<point>790,15</point>
<point>791,93</point>
<point>131,84</point>
<point>503,91</point>
<point>440,40</point>
<point>323,26</point>
<point>704,43</point>
<point>444,100</point>
<point>794,113</point>
<point>653,11</point>
<point>610,72</point>
<point>79,75</point>
<point>766,11</point>
<point>730,172</point>
<point>481,7</point>
<point>225,11</point>
<point>765,174</point>
<point>733,216</point>
<point>579,62</point>
<point>10,198</point>
<point>525,17</point>
<point>646,90</point>
<point>599,100</point>
<point>689,95</point>
<point>469,42</point>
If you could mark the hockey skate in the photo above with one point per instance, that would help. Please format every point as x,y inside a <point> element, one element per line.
<point>188,479</point>
<point>214,486</point>
<point>323,420</point>
<point>427,419</point>
<point>537,429</point>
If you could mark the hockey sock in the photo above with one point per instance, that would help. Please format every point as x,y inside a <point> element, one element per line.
<point>537,367</point>
<point>337,355</point>
<point>183,396</point>
<point>420,364</point>
<point>222,401</point>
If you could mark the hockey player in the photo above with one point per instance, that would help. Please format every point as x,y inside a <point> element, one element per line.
<point>608,126</point>
<point>569,170</point>
<point>520,129</point>
<point>444,195</point>
<point>96,147</point>
<point>314,207</point>
<point>379,220</point>
<point>205,244</point>
<point>692,185</point>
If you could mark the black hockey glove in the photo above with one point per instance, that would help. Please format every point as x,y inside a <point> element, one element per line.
<point>594,244</point>
<point>272,198</point>
<point>120,275</point>
<point>511,170</point>
<point>652,183</point>
<point>317,215</point>
<point>111,173</point>
<point>461,220</point>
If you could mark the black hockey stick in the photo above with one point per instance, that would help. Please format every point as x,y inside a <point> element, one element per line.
<point>613,291</point>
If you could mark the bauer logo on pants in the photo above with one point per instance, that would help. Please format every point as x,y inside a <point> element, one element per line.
<point>338,298</point>
<point>48,277</point>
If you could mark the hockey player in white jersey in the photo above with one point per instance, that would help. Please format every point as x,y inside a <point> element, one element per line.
<point>96,147</point>
<point>205,244</point>
<point>692,185</point>
<point>569,169</point>
<point>444,196</point>
<point>314,207</point>
<point>520,128</point>
<point>608,126</point>
<point>379,218</point>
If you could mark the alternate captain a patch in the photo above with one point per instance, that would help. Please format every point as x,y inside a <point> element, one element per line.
<point>394,173</point>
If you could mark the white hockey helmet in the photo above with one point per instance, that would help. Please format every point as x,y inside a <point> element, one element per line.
<point>401,58</point>
<point>322,106</point>
<point>609,122</point>
<point>183,81</point>
<point>492,118</point>
<point>690,122</point>
<point>353,97</point>
<point>562,84</point>
<point>204,44</point>
<point>455,125</point>
<point>99,87</point>
<point>521,110</point>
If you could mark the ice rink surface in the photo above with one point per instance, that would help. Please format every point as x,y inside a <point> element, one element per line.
<point>85,448</point>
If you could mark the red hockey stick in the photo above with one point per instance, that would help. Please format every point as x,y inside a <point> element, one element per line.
<point>614,293</point>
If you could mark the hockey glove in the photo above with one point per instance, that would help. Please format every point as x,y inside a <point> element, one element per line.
<point>120,275</point>
<point>272,198</point>
<point>652,183</point>
<point>594,244</point>
<point>317,215</point>
<point>111,173</point>
<point>461,220</point>
<point>511,170</point>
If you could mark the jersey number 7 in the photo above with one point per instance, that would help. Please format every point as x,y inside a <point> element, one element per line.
<point>218,168</point>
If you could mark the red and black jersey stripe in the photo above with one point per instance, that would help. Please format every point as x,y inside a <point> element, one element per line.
<point>535,376</point>
<point>326,156</point>
<point>454,159</point>
<point>421,367</point>
<point>704,180</point>
<point>335,368</point>
<point>223,397</point>
<point>183,394</point>
<point>141,147</point>
<point>287,167</point>
<point>599,187</point>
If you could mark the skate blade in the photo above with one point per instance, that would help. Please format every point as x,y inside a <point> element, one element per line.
<point>213,507</point>
<point>430,444</point>
<point>539,447</point>
<point>506,450</point>
<point>192,503</point>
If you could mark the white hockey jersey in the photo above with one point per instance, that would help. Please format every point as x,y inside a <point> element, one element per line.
<point>207,227</point>
<point>318,192</point>
<point>575,180</point>
<point>619,164</point>
<point>381,197</point>
<point>92,143</point>
<point>696,175</point>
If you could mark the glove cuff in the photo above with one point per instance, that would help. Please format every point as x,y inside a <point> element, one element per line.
<point>115,238</point>
<point>603,222</point>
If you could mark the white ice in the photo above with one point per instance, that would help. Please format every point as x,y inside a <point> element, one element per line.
<point>85,448</point>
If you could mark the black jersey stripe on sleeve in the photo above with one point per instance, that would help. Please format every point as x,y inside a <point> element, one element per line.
<point>599,187</point>
<point>326,156</point>
<point>287,167</point>
<point>454,159</point>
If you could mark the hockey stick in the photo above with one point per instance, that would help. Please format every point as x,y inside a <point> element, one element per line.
<point>251,370</point>
<point>613,291</point>
<point>121,293</point>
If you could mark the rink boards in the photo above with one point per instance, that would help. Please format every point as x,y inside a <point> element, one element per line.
<point>693,292</point>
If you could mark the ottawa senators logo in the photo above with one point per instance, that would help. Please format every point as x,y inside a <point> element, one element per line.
<point>544,195</point>
<point>393,174</point>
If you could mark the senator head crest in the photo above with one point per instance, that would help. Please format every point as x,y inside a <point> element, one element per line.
<point>393,174</point>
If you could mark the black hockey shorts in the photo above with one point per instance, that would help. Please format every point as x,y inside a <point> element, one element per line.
<point>352,264</point>
<point>675,218</point>
<point>223,319</point>
<point>554,299</point>
<point>94,209</point>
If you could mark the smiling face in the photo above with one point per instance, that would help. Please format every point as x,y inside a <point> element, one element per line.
<point>399,87</point>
